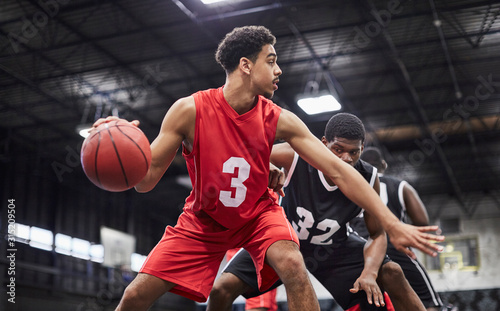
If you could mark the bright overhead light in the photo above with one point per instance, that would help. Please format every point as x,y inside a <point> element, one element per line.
<point>320,104</point>
<point>83,129</point>
<point>211,1</point>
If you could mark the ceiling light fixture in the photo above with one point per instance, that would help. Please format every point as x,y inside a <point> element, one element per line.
<point>211,1</point>
<point>319,104</point>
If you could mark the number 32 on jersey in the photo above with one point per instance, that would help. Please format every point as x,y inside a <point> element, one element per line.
<point>306,222</point>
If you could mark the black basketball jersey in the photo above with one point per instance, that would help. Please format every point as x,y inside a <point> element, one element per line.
<point>391,193</point>
<point>319,212</point>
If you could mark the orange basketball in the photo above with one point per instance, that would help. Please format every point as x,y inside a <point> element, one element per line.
<point>116,156</point>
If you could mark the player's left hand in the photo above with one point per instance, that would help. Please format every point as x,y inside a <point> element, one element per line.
<point>373,293</point>
<point>404,236</point>
<point>276,179</point>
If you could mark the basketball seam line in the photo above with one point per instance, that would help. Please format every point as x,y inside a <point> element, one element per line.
<point>118,155</point>
<point>95,160</point>
<point>139,147</point>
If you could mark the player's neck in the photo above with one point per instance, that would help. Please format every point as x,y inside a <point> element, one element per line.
<point>239,96</point>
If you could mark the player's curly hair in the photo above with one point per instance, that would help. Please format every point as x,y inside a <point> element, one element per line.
<point>345,125</point>
<point>241,42</point>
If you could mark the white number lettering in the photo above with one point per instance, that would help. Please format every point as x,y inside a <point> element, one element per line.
<point>330,226</point>
<point>236,182</point>
<point>306,221</point>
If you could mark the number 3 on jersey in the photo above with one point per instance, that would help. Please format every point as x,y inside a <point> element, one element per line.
<point>236,182</point>
<point>306,221</point>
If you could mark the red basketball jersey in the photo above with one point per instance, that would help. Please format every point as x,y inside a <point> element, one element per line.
<point>229,163</point>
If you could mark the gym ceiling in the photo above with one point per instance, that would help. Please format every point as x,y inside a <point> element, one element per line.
<point>424,76</point>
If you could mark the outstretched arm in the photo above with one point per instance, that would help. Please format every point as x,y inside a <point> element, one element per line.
<point>281,157</point>
<point>414,206</point>
<point>351,183</point>
<point>374,253</point>
<point>178,125</point>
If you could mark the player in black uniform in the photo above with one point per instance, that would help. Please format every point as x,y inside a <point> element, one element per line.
<point>404,201</point>
<point>344,263</point>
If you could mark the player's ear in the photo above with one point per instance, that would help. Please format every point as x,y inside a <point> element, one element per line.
<point>385,164</point>
<point>324,141</point>
<point>245,65</point>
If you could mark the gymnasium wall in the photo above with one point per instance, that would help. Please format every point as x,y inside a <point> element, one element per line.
<point>478,219</point>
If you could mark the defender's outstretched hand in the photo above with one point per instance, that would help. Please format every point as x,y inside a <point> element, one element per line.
<point>404,236</point>
<point>369,285</point>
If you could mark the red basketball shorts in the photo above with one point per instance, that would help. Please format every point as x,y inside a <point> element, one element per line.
<point>190,253</point>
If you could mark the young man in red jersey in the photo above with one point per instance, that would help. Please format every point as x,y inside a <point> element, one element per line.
<point>227,135</point>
